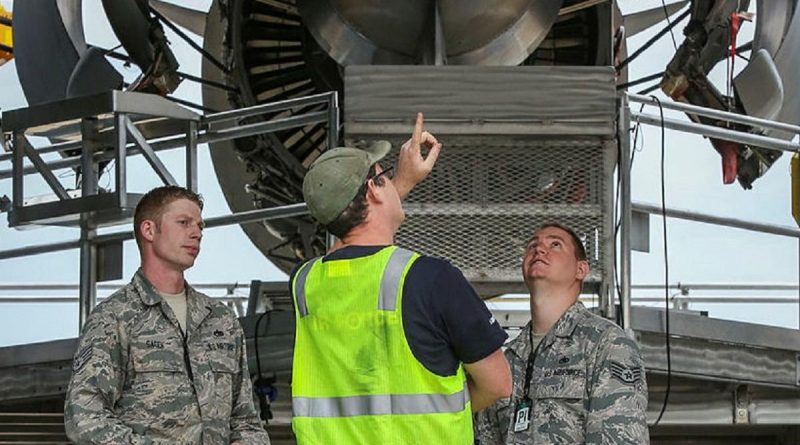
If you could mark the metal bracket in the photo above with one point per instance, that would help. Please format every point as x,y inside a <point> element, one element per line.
<point>798,369</point>
<point>40,165</point>
<point>109,260</point>
<point>640,231</point>
<point>741,400</point>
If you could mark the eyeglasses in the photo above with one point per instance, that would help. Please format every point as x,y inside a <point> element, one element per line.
<point>388,172</point>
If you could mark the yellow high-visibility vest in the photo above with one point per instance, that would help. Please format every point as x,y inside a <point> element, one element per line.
<point>354,377</point>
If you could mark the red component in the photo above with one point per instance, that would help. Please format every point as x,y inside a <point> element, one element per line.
<point>736,22</point>
<point>728,150</point>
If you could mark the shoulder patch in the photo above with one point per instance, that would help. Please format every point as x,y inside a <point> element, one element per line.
<point>625,373</point>
<point>82,357</point>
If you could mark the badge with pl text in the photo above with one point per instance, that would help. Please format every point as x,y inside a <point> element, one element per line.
<point>522,416</point>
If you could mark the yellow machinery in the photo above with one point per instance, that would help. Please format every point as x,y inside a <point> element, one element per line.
<point>6,39</point>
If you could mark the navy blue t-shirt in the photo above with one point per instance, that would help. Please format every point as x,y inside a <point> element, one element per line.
<point>444,319</point>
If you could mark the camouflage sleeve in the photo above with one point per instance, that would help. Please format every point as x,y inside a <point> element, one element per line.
<point>98,373</point>
<point>617,393</point>
<point>488,427</point>
<point>246,426</point>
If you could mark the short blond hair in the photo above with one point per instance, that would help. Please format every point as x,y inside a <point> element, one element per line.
<point>151,206</point>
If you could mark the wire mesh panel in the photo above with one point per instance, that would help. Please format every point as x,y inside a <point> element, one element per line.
<point>522,146</point>
<point>484,199</point>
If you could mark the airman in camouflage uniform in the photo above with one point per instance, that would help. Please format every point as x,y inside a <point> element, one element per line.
<point>137,379</point>
<point>587,386</point>
<point>586,382</point>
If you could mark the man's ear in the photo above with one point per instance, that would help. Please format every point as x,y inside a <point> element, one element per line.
<point>148,229</point>
<point>373,192</point>
<point>583,270</point>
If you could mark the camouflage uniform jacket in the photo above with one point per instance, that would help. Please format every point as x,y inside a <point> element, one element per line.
<point>136,381</point>
<point>587,386</point>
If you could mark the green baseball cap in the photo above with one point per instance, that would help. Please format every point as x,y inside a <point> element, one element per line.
<point>333,180</point>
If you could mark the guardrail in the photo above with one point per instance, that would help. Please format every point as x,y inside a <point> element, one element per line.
<point>226,125</point>
<point>627,207</point>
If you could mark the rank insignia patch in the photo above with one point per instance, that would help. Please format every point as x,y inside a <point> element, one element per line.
<point>626,374</point>
<point>82,358</point>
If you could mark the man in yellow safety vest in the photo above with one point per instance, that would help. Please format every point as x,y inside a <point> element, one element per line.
<point>391,347</point>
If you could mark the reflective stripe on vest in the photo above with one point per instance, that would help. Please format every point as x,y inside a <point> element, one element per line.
<point>390,282</point>
<point>379,404</point>
<point>300,285</point>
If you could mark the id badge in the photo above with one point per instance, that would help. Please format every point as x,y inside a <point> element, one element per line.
<point>522,416</point>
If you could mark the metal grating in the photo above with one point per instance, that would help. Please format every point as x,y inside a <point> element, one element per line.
<point>484,199</point>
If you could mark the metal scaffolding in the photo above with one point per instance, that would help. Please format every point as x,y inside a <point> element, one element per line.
<point>115,125</point>
<point>627,207</point>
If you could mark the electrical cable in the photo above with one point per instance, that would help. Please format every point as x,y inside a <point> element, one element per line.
<point>729,77</point>
<point>744,48</point>
<point>666,16</point>
<point>189,41</point>
<point>263,387</point>
<point>666,265</point>
<point>127,59</point>
<point>649,89</point>
<point>654,76</point>
<point>652,40</point>
<point>113,50</point>
<point>191,104</point>
<point>255,340</point>
<point>211,83</point>
<point>118,55</point>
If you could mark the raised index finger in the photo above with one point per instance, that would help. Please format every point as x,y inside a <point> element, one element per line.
<point>416,137</point>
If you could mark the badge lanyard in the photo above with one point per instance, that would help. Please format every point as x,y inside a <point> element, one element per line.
<point>522,411</point>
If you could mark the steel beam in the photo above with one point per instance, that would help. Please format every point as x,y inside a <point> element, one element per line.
<point>715,114</point>
<point>333,121</point>
<point>625,212</point>
<point>88,170</point>
<point>88,250</point>
<point>719,220</point>
<point>88,274</point>
<point>121,159</point>
<point>17,179</point>
<point>250,216</point>
<point>721,286</point>
<point>267,108</point>
<point>208,120</point>
<point>42,168</point>
<point>90,106</point>
<point>202,138</point>
<point>61,146</point>
<point>39,249</point>
<point>717,132</point>
<point>191,156</point>
<point>149,154</point>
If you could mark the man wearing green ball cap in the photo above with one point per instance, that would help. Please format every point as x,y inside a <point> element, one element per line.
<point>391,346</point>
